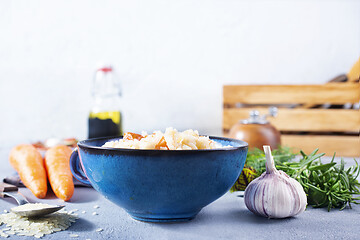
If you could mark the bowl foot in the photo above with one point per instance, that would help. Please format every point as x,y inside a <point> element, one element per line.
<point>164,219</point>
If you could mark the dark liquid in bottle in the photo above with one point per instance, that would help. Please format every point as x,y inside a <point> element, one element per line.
<point>105,124</point>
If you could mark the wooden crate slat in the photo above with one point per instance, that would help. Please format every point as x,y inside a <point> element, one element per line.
<point>336,93</point>
<point>345,146</point>
<point>322,120</point>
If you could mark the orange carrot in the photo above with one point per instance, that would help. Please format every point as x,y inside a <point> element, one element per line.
<point>58,169</point>
<point>27,161</point>
<point>161,144</point>
<point>132,136</point>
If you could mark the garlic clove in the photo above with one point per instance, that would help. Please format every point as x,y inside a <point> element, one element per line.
<point>274,194</point>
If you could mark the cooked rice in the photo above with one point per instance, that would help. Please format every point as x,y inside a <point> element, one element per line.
<point>174,140</point>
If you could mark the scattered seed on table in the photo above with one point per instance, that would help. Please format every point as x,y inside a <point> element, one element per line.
<point>83,212</point>
<point>2,234</point>
<point>74,235</point>
<point>99,230</point>
<point>72,211</point>
<point>94,213</point>
<point>96,206</point>
<point>6,211</point>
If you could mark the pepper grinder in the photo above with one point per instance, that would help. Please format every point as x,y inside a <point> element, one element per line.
<point>257,131</point>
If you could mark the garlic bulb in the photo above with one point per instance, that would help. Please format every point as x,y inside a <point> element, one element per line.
<point>274,194</point>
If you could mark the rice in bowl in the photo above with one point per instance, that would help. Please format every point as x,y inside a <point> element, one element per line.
<point>171,139</point>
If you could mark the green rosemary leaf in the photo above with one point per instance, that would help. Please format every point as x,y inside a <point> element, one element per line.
<point>322,167</point>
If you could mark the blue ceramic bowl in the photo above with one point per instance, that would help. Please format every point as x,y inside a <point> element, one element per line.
<point>159,185</point>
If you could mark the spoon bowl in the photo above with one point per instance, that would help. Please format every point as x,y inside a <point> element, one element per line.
<point>37,212</point>
<point>8,190</point>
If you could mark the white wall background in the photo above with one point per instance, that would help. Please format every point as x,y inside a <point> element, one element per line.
<point>172,56</point>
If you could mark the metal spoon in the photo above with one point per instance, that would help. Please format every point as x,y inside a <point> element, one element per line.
<point>8,190</point>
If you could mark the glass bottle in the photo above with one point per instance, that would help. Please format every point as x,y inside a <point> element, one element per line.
<point>105,119</point>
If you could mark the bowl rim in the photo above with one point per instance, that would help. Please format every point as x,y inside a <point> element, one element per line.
<point>83,144</point>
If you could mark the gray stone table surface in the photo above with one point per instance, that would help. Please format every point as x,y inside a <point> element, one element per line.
<point>226,218</point>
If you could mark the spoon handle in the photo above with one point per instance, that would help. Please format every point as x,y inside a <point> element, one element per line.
<point>5,187</point>
<point>8,190</point>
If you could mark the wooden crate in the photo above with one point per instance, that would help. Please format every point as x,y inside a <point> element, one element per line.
<point>303,126</point>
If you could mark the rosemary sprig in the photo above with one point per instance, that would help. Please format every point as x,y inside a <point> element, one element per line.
<point>326,185</point>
